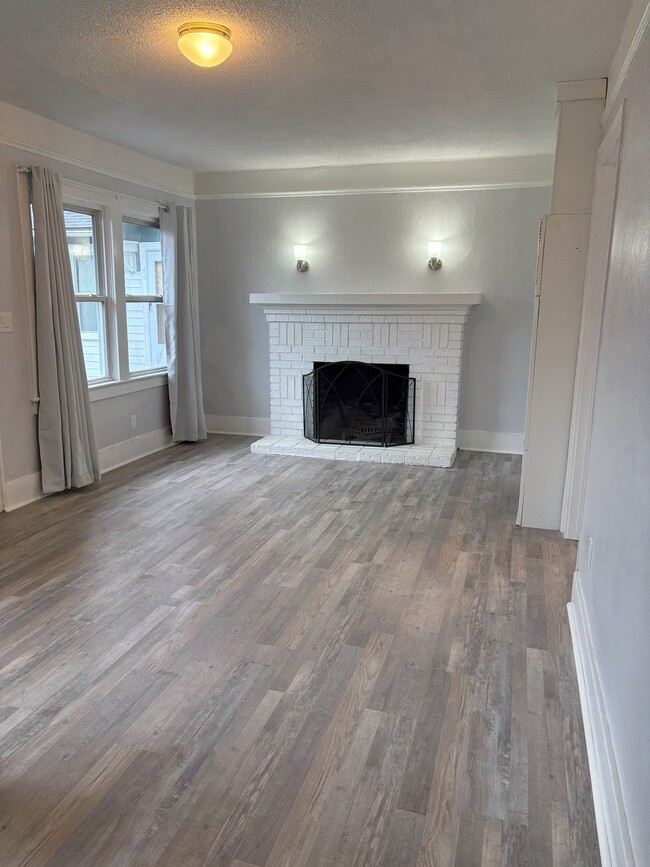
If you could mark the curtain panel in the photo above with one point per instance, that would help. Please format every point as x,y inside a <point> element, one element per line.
<point>66,433</point>
<point>181,299</point>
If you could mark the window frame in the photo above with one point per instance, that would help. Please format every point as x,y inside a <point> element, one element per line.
<point>114,208</point>
<point>139,299</point>
<point>102,294</point>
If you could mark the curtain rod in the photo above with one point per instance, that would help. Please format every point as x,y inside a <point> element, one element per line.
<point>26,170</point>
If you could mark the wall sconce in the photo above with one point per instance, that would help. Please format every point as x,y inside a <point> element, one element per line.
<point>435,252</point>
<point>300,252</point>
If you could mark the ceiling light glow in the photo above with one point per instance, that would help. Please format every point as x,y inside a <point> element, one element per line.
<point>203,43</point>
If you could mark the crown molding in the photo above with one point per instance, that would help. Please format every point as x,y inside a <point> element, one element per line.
<point>46,138</point>
<point>588,88</point>
<point>635,29</point>
<point>34,134</point>
<point>360,191</point>
<point>449,176</point>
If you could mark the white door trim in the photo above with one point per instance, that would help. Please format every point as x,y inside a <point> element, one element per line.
<point>600,238</point>
<point>3,489</point>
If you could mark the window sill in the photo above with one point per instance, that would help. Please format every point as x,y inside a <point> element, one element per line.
<point>105,390</point>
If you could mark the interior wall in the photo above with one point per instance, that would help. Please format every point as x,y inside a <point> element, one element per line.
<point>17,421</point>
<point>372,243</point>
<point>615,578</point>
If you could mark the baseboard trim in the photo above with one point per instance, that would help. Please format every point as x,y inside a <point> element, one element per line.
<point>238,424</point>
<point>22,491</point>
<point>27,489</point>
<point>491,441</point>
<point>116,455</point>
<point>613,832</point>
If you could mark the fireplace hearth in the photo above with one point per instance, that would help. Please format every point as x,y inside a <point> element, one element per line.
<point>355,403</point>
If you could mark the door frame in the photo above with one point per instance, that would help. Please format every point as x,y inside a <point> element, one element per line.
<point>593,304</point>
<point>3,484</point>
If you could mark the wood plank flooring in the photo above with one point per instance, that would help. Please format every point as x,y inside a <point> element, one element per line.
<point>218,658</point>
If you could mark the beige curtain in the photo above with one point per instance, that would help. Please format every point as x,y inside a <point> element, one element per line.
<point>66,434</point>
<point>181,298</point>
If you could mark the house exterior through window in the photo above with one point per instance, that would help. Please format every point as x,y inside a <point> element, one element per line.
<point>145,312</point>
<point>89,288</point>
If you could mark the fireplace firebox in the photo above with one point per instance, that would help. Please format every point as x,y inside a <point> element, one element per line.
<point>351,402</point>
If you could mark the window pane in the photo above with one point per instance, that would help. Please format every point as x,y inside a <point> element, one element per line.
<point>80,232</point>
<point>142,259</point>
<point>146,334</point>
<point>93,338</point>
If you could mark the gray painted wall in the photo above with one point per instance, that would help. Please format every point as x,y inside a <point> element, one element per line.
<point>372,243</point>
<point>617,506</point>
<point>17,421</point>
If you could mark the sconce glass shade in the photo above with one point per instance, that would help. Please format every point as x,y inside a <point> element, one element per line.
<point>300,252</point>
<point>435,252</point>
<point>204,44</point>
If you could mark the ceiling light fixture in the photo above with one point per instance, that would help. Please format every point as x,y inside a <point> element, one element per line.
<point>203,43</point>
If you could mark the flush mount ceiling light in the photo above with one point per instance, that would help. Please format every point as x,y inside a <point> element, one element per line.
<point>203,43</point>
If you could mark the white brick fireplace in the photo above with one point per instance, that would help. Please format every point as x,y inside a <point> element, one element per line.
<point>424,331</point>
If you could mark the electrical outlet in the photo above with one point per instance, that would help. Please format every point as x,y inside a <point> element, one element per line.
<point>133,422</point>
<point>6,323</point>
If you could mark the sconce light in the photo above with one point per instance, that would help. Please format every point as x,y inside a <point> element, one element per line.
<point>300,252</point>
<point>435,251</point>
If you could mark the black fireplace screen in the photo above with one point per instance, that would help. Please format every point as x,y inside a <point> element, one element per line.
<point>365,404</point>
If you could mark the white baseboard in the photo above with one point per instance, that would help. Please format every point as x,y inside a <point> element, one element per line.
<point>238,424</point>
<point>27,489</point>
<point>491,441</point>
<point>613,832</point>
<point>116,455</point>
<point>20,492</point>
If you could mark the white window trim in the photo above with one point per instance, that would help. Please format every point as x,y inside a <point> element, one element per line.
<point>114,208</point>
<point>103,295</point>
<point>113,388</point>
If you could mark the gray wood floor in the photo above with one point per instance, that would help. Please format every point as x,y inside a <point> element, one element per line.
<point>217,658</point>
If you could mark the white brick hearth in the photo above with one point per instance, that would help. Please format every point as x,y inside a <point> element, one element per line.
<point>423,331</point>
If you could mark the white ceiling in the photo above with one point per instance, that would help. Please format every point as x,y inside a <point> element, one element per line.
<point>309,82</point>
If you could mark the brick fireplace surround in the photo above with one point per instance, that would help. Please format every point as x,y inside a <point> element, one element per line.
<point>424,331</point>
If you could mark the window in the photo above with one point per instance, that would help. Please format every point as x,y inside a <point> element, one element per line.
<point>90,295</point>
<point>143,292</point>
<point>116,261</point>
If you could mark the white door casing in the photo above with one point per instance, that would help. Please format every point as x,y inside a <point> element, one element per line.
<point>598,252</point>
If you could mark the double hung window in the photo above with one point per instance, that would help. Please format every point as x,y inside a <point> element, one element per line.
<point>117,273</point>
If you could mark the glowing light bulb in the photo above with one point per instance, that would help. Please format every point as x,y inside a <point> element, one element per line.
<point>435,252</point>
<point>205,44</point>
<point>300,252</point>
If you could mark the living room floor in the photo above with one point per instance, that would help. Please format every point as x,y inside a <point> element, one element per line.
<point>219,658</point>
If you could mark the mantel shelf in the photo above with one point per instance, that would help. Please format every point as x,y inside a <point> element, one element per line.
<point>366,299</point>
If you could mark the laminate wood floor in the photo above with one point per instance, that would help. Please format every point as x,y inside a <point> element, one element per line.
<point>218,658</point>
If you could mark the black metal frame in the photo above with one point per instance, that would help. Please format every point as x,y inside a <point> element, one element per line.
<point>312,406</point>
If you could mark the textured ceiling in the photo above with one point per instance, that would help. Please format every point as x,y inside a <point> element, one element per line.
<point>310,82</point>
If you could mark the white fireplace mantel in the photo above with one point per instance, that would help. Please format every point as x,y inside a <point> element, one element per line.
<point>366,299</point>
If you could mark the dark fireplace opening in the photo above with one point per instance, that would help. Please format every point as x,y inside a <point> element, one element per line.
<point>350,402</point>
